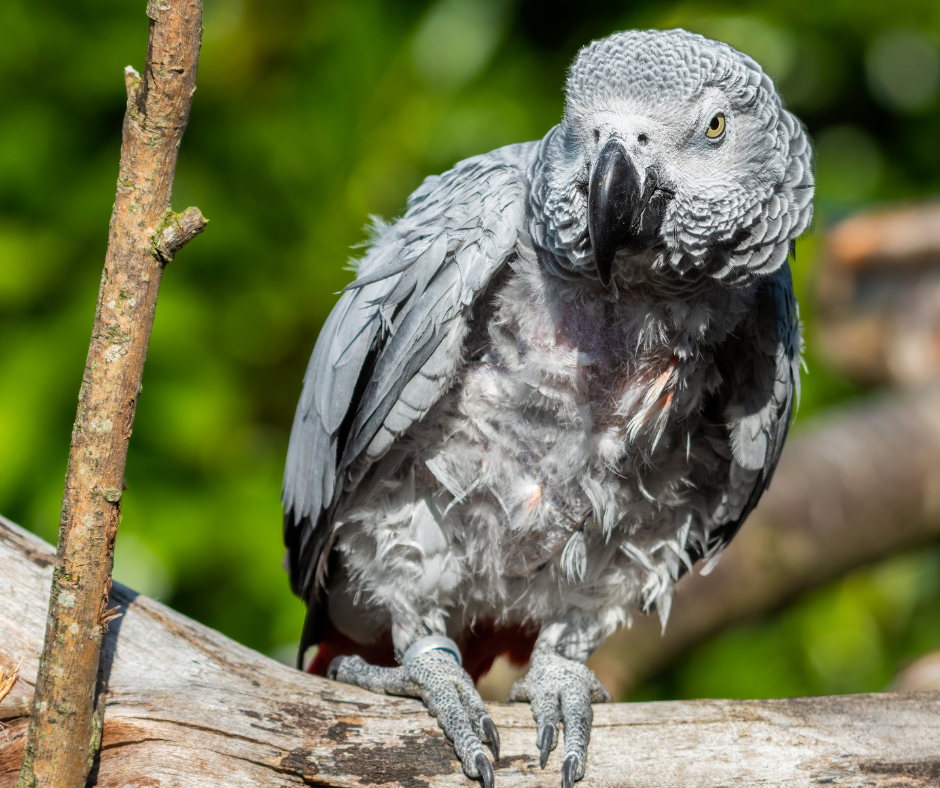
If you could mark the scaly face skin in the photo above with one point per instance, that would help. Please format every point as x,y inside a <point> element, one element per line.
<point>619,290</point>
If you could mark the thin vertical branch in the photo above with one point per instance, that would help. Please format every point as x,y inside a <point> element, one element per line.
<point>64,730</point>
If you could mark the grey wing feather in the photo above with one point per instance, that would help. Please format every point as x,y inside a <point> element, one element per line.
<point>762,369</point>
<point>392,345</point>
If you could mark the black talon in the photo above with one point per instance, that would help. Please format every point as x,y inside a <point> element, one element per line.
<point>333,669</point>
<point>489,728</point>
<point>485,768</point>
<point>546,737</point>
<point>568,769</point>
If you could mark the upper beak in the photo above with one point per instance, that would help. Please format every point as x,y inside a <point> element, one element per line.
<point>616,202</point>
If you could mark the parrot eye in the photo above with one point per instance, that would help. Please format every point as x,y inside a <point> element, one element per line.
<point>717,127</point>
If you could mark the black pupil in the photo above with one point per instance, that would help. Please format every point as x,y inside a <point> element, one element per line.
<point>714,123</point>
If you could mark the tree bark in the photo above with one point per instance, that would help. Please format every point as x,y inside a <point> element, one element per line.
<point>186,706</point>
<point>144,234</point>
<point>863,485</point>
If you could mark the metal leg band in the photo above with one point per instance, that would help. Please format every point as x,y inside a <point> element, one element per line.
<point>432,643</point>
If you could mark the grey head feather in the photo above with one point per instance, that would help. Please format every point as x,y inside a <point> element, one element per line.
<point>733,201</point>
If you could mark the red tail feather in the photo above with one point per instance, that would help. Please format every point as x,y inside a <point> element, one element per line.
<point>480,647</point>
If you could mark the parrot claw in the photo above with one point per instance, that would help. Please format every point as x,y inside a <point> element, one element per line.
<point>448,692</point>
<point>546,743</point>
<point>485,768</point>
<point>561,690</point>
<point>492,735</point>
<point>333,669</point>
<point>570,770</point>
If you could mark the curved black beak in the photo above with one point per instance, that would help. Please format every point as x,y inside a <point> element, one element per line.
<point>616,205</point>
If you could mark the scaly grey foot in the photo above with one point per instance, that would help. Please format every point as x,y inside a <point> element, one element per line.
<point>448,692</point>
<point>561,690</point>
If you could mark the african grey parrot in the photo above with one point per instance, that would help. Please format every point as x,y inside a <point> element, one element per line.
<point>560,379</point>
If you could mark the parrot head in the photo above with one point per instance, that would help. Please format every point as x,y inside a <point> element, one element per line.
<point>675,155</point>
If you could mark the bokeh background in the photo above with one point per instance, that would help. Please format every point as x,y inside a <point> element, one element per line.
<point>310,115</point>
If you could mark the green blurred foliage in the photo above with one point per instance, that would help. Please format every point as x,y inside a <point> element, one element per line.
<point>310,116</point>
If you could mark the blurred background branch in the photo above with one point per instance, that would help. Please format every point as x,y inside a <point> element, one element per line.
<point>879,296</point>
<point>312,116</point>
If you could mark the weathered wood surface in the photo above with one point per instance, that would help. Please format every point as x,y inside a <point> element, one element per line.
<point>862,485</point>
<point>188,707</point>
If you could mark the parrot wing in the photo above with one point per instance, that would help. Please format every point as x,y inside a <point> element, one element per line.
<point>761,366</point>
<point>392,345</point>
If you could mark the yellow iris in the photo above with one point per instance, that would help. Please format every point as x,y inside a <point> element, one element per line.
<point>717,127</point>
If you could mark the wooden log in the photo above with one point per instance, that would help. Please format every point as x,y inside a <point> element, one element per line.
<point>186,706</point>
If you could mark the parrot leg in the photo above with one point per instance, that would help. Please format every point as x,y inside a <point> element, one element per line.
<point>448,692</point>
<point>561,690</point>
